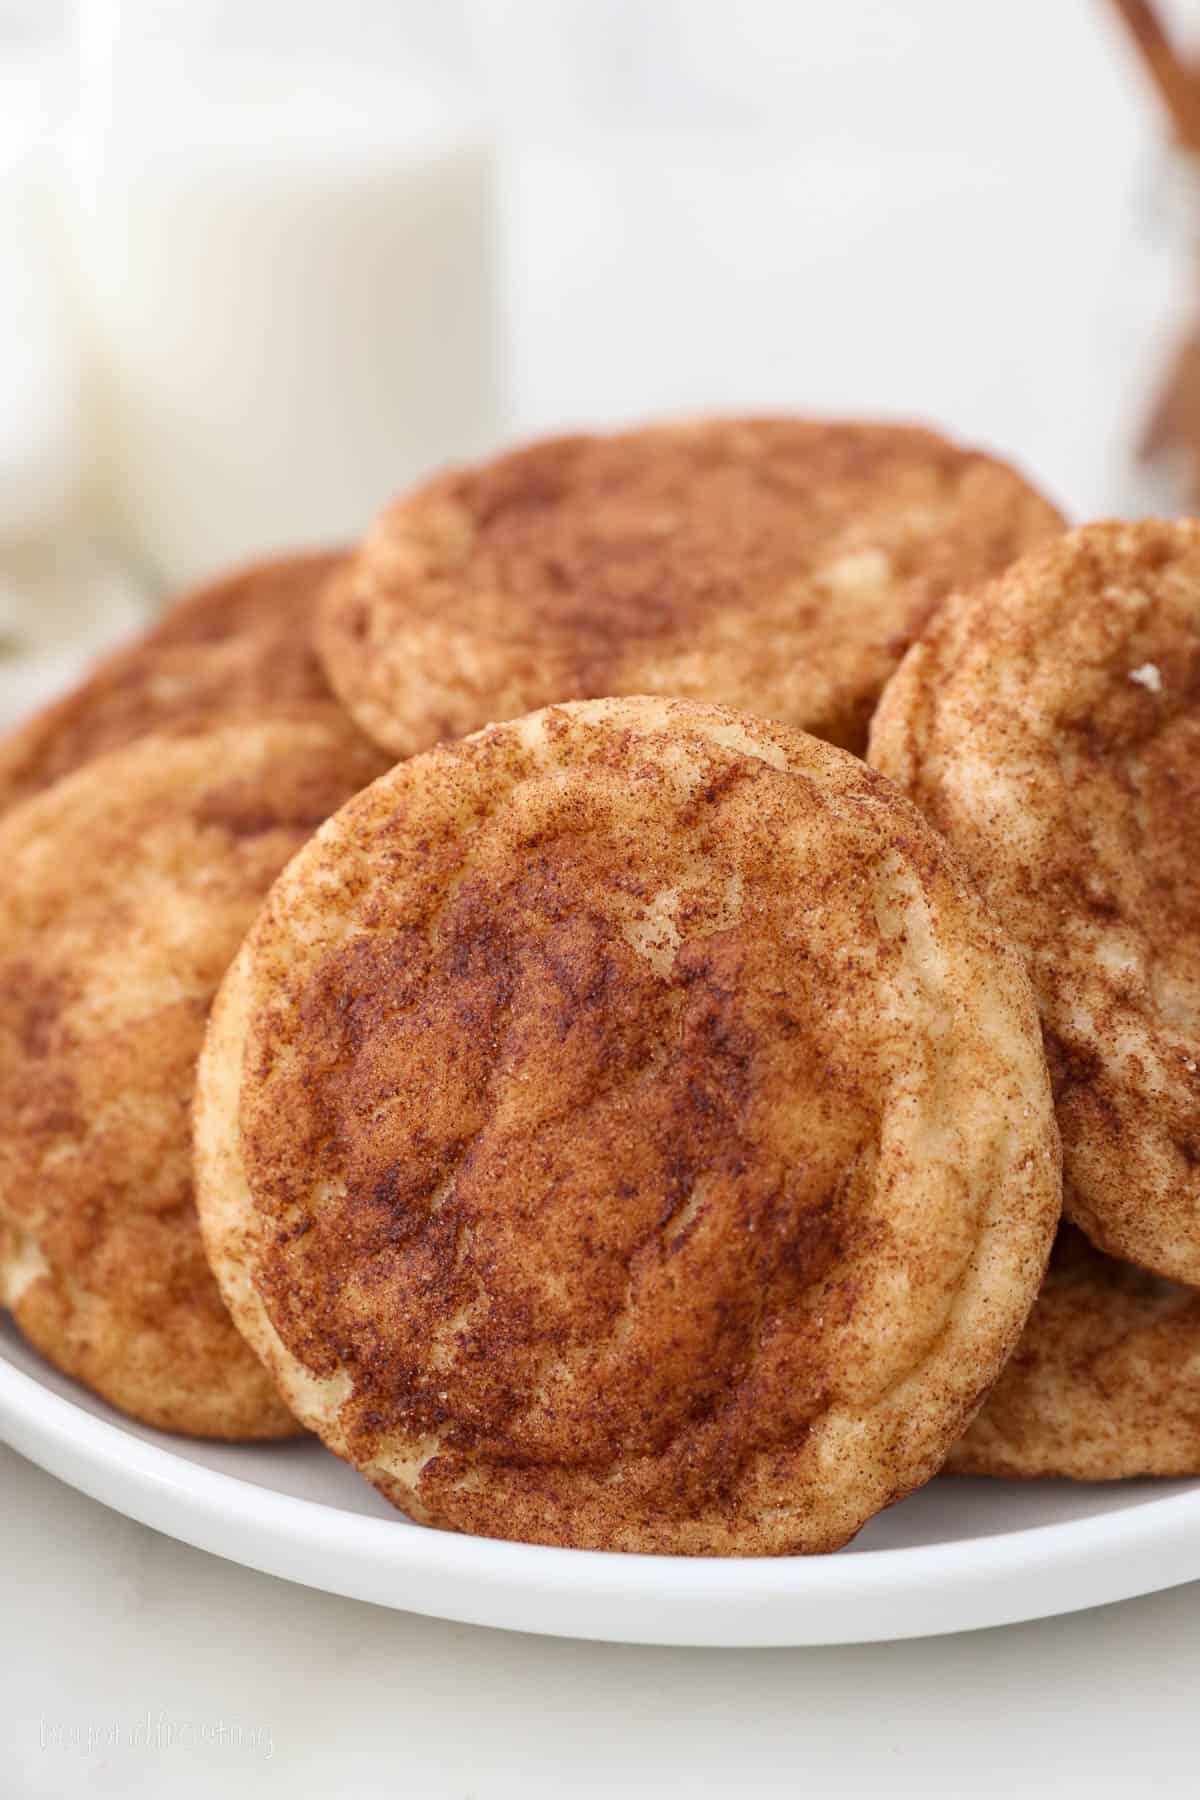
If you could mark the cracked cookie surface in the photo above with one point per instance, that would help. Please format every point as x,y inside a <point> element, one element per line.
<point>124,893</point>
<point>625,1128</point>
<point>778,565</point>
<point>1049,726</point>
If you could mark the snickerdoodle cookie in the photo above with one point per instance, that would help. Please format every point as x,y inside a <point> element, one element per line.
<point>124,892</point>
<point>625,1128</point>
<point>778,565</point>
<point>1049,725</point>
<point>1105,1382</point>
<point>239,649</point>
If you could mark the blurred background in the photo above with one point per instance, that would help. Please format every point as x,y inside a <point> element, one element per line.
<point>262,264</point>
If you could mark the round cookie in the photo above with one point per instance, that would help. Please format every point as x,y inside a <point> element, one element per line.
<point>1104,1384</point>
<point>124,892</point>
<point>1049,726</point>
<point>777,565</point>
<point>625,1129</point>
<point>238,650</point>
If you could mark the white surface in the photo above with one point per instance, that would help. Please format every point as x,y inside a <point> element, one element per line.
<point>956,1556</point>
<point>701,274</point>
<point>106,1623</point>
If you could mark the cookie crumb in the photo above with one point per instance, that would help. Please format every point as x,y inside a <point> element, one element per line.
<point>1149,676</point>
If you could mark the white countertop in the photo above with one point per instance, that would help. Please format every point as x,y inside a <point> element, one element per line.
<point>997,286</point>
<point>133,1666</point>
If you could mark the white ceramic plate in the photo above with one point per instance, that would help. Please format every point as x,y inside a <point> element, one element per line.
<point>958,1555</point>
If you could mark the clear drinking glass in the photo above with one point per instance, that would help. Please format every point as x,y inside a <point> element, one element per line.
<point>281,218</point>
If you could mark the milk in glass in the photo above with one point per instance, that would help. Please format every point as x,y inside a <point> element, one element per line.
<point>284,260</point>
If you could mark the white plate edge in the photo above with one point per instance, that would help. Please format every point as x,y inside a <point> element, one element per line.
<point>873,1596</point>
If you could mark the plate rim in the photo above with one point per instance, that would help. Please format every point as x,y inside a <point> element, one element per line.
<point>999,1578</point>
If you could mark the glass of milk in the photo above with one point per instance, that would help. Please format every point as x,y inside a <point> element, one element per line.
<point>281,221</point>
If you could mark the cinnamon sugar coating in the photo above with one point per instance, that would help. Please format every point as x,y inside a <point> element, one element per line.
<point>238,649</point>
<point>778,565</point>
<point>124,893</point>
<point>1105,1383</point>
<point>274,597</point>
<point>1049,726</point>
<point>624,1128</point>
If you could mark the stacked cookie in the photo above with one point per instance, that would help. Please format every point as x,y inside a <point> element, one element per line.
<point>1048,725</point>
<point>629,1125</point>
<point>143,819</point>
